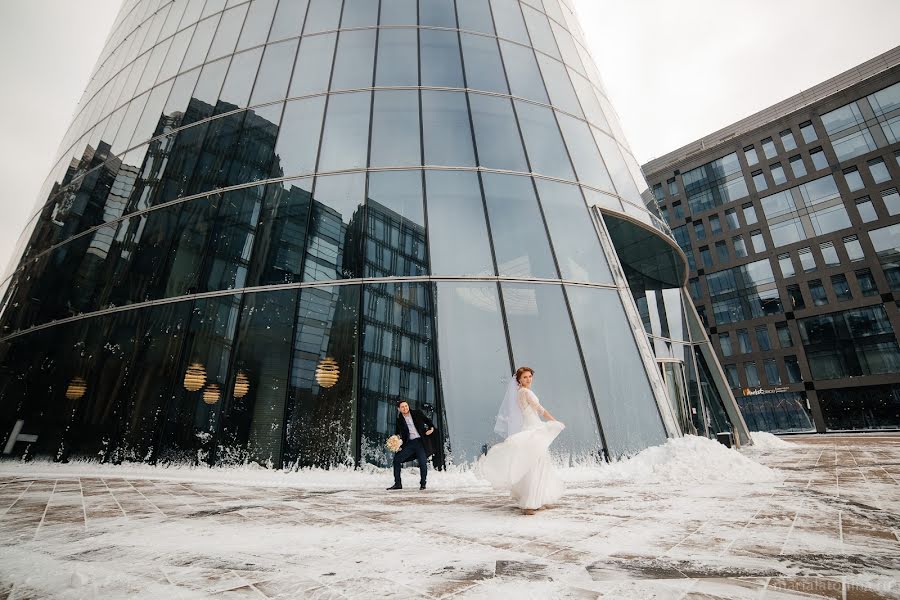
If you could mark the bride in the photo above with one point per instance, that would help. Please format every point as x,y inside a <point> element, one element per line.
<point>521,464</point>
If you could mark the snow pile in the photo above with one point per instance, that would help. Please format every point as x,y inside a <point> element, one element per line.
<point>688,458</point>
<point>763,440</point>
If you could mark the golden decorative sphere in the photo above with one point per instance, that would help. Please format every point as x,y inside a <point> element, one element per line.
<point>194,377</point>
<point>211,393</point>
<point>77,388</point>
<point>327,373</point>
<point>241,385</point>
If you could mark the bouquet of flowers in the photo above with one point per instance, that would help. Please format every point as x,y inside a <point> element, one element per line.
<point>393,443</point>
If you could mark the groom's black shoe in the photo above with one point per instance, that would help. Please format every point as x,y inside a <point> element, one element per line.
<point>421,486</point>
<point>396,486</point>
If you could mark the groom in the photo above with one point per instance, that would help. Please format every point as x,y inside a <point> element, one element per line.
<point>412,427</point>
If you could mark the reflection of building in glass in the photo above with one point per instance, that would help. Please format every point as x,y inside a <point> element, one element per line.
<point>789,228</point>
<point>257,238</point>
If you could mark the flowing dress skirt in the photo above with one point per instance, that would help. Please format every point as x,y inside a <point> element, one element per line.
<point>522,465</point>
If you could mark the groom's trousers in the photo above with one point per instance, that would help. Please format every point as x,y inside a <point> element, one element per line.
<point>407,452</point>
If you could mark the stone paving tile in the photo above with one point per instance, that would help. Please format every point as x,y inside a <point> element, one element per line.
<point>830,530</point>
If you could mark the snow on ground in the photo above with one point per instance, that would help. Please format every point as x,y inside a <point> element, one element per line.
<point>764,440</point>
<point>821,515</point>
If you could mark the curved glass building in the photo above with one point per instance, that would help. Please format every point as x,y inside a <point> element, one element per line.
<point>270,220</point>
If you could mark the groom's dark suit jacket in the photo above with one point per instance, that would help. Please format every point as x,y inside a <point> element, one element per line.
<point>422,424</point>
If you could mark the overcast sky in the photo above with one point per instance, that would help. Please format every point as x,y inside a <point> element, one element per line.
<point>676,70</point>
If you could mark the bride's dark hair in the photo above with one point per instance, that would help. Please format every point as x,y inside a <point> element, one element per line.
<point>521,370</point>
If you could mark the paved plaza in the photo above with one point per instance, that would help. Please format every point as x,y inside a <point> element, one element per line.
<point>827,527</point>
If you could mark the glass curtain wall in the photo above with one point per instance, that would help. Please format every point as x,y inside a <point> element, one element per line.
<point>270,221</point>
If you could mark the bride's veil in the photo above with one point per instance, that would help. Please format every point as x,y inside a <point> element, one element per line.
<point>509,419</point>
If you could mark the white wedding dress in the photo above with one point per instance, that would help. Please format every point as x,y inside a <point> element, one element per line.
<point>521,463</point>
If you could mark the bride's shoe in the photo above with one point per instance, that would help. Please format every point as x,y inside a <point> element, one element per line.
<point>528,511</point>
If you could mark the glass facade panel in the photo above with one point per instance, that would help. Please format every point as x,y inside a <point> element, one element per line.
<point>715,183</point>
<point>398,57</point>
<point>446,129</point>
<point>543,141</point>
<point>786,265</point>
<point>612,362</point>
<point>797,167</point>
<point>458,237</point>
<point>345,133</point>
<point>751,156</point>
<point>525,79</point>
<point>496,133</point>
<point>891,201</point>
<point>395,129</point>
<point>808,132</point>
<point>441,63</point>
<point>854,179</point>
<point>778,174</point>
<point>879,170</point>
<point>484,67</point>
<point>517,228</point>
<point>354,60</point>
<point>313,67</point>
<point>787,140</point>
<point>866,210</point>
<point>818,159</point>
<point>768,147</point>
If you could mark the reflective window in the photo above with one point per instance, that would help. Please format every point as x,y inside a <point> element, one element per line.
<point>353,62</point>
<point>740,248</point>
<point>334,245</point>
<point>706,257</point>
<point>796,297</point>
<point>200,42</point>
<point>793,369</point>
<point>457,232</point>
<point>437,13</point>
<point>611,357</point>
<point>323,15</point>
<point>274,72</point>
<point>470,420</point>
<point>496,133</point>
<point>750,155</point>
<point>715,224</point>
<point>866,282</point>
<point>508,20</point>
<point>891,201</point>
<point>543,141</point>
<point>239,81</point>
<point>841,288</point>
<point>879,170</point>
<point>562,94</point>
<point>678,210</point>
<point>257,24</point>
<point>524,77</point>
<point>808,132</point>
<point>756,238</point>
<point>829,254</point>
<point>484,69</point>
<point>572,233</point>
<point>288,20</point>
<point>227,34</point>
<point>797,166</point>
<point>725,344</point>
<point>583,151</point>
<point>279,259</point>
<point>784,335</point>
<point>807,261</point>
<point>817,292</point>
<point>207,91</point>
<point>744,341</point>
<point>786,265</point>
<point>831,219</point>
<point>717,182</point>
<point>818,159</point>
<point>722,251</point>
<point>475,15</point>
<point>447,131</point>
<point>759,181</point>
<point>787,140</point>
<point>749,214</point>
<point>778,173</point>
<point>731,373</point>
<point>762,338</point>
<point>854,179</point>
<point>517,228</point>
<point>539,28</point>
<point>673,187</point>
<point>395,224</point>
<point>320,421</point>
<point>346,132</point>
<point>699,230</point>
<point>298,139</point>
<point>313,67</point>
<point>395,129</point>
<point>400,12</point>
<point>772,375</point>
<point>752,374</point>
<point>398,57</point>
<point>359,13</point>
<point>441,65</point>
<point>866,209</point>
<point>854,249</point>
<point>768,147</point>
